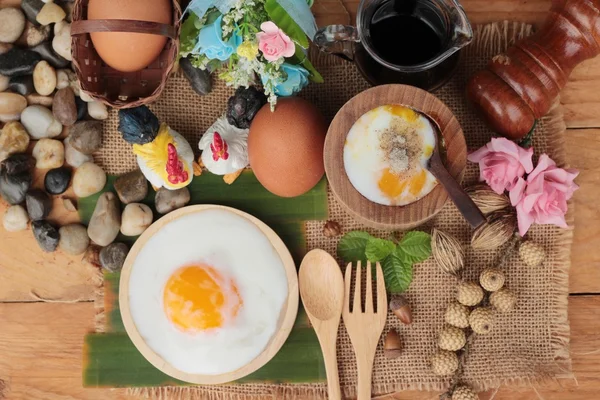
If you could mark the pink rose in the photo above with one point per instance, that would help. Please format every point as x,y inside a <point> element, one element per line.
<point>542,199</point>
<point>274,43</point>
<point>501,163</point>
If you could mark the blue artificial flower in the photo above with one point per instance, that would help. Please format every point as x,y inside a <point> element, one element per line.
<point>297,78</point>
<point>211,44</point>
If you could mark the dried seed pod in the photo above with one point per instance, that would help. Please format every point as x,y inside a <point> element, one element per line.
<point>486,199</point>
<point>332,229</point>
<point>469,293</point>
<point>457,315</point>
<point>531,253</point>
<point>481,320</point>
<point>401,309</point>
<point>491,279</point>
<point>444,363</point>
<point>392,345</point>
<point>503,300</point>
<point>447,251</point>
<point>496,232</point>
<point>451,338</point>
<point>463,392</point>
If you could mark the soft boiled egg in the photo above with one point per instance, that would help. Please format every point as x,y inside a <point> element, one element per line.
<point>386,154</point>
<point>206,292</point>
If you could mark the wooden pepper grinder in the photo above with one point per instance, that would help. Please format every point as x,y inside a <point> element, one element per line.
<point>520,85</point>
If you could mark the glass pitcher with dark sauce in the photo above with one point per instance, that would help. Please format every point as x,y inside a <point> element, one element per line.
<point>415,42</point>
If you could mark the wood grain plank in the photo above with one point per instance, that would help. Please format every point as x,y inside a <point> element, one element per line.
<point>41,351</point>
<point>583,152</point>
<point>479,11</point>
<point>25,267</point>
<point>41,347</point>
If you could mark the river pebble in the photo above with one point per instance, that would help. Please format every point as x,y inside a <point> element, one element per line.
<point>137,217</point>
<point>113,256</point>
<point>131,187</point>
<point>73,157</point>
<point>12,104</point>
<point>22,85</point>
<point>105,223</point>
<point>16,62</point>
<point>64,107</point>
<point>44,78</point>
<point>97,110</point>
<point>50,13</point>
<point>34,35</point>
<point>61,43</point>
<point>74,239</point>
<point>12,24</point>
<point>13,139</point>
<point>38,204</point>
<point>49,153</point>
<point>170,200</point>
<point>57,180</point>
<point>88,179</point>
<point>15,219</point>
<point>86,136</point>
<point>46,235</point>
<point>40,123</point>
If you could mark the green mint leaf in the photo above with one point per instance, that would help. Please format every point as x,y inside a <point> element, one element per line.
<point>352,246</point>
<point>378,249</point>
<point>397,272</point>
<point>415,246</point>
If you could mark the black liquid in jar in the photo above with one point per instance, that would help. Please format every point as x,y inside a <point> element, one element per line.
<point>401,35</point>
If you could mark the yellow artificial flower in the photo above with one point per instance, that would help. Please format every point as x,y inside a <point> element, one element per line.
<point>248,50</point>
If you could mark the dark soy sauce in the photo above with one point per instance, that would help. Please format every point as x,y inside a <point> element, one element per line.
<point>400,33</point>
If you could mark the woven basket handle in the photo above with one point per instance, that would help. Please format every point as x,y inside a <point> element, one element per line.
<point>122,25</point>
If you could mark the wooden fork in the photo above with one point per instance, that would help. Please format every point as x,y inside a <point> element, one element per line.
<point>364,328</point>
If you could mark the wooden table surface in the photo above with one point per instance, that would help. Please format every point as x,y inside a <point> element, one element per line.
<point>41,342</point>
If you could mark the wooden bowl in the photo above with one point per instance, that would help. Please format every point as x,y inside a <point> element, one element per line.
<point>392,217</point>
<point>286,317</point>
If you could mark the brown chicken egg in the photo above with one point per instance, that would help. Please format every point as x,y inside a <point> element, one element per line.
<point>126,51</point>
<point>285,146</point>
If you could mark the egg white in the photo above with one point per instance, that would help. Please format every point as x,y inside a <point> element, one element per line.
<point>364,161</point>
<point>237,249</point>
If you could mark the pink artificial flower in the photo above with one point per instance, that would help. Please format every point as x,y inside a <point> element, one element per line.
<point>501,163</point>
<point>542,199</point>
<point>274,43</point>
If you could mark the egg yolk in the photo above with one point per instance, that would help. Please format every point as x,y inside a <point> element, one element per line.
<point>403,112</point>
<point>390,184</point>
<point>198,297</point>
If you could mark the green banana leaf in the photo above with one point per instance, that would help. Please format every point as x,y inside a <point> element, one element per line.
<point>283,20</point>
<point>112,360</point>
<point>246,194</point>
<point>300,58</point>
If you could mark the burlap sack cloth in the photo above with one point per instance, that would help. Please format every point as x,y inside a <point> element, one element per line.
<point>527,346</point>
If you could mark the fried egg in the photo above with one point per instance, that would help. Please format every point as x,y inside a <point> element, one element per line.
<point>386,154</point>
<point>206,292</point>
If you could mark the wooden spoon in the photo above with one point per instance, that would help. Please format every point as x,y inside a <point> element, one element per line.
<point>459,197</point>
<point>322,292</point>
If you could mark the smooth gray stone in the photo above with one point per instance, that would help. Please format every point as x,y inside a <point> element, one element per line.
<point>113,256</point>
<point>13,188</point>
<point>199,79</point>
<point>18,62</point>
<point>47,52</point>
<point>22,85</point>
<point>46,235</point>
<point>38,203</point>
<point>17,163</point>
<point>57,180</point>
<point>31,8</point>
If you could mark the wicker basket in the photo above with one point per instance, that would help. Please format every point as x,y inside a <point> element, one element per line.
<point>115,88</point>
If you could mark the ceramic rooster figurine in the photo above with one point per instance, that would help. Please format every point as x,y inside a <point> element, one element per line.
<point>225,149</point>
<point>163,155</point>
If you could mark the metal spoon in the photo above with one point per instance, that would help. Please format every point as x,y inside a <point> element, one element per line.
<point>463,202</point>
<point>322,292</point>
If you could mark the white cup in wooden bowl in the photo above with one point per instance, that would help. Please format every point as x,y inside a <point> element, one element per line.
<point>382,216</point>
